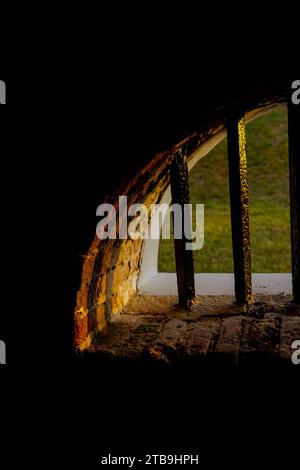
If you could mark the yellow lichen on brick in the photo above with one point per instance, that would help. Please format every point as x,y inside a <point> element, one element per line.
<point>86,343</point>
<point>81,313</point>
<point>101,320</point>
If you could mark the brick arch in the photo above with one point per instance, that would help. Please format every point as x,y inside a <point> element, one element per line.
<point>111,267</point>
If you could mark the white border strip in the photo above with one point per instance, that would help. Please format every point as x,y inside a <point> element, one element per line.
<point>218,284</point>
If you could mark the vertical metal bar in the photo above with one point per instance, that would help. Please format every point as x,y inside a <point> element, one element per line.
<point>294,163</point>
<point>184,258</point>
<point>239,202</point>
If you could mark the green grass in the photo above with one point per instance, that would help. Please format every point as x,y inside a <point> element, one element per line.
<point>269,202</point>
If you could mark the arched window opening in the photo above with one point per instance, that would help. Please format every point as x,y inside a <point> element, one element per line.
<point>268,174</point>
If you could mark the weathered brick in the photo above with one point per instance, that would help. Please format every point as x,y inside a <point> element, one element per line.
<point>228,341</point>
<point>260,341</point>
<point>198,337</point>
<point>81,330</point>
<point>171,332</point>
<point>101,321</point>
<point>101,290</point>
<point>265,336</point>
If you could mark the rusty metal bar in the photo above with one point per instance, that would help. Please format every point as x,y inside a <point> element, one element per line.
<point>294,163</point>
<point>184,258</point>
<point>239,202</point>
